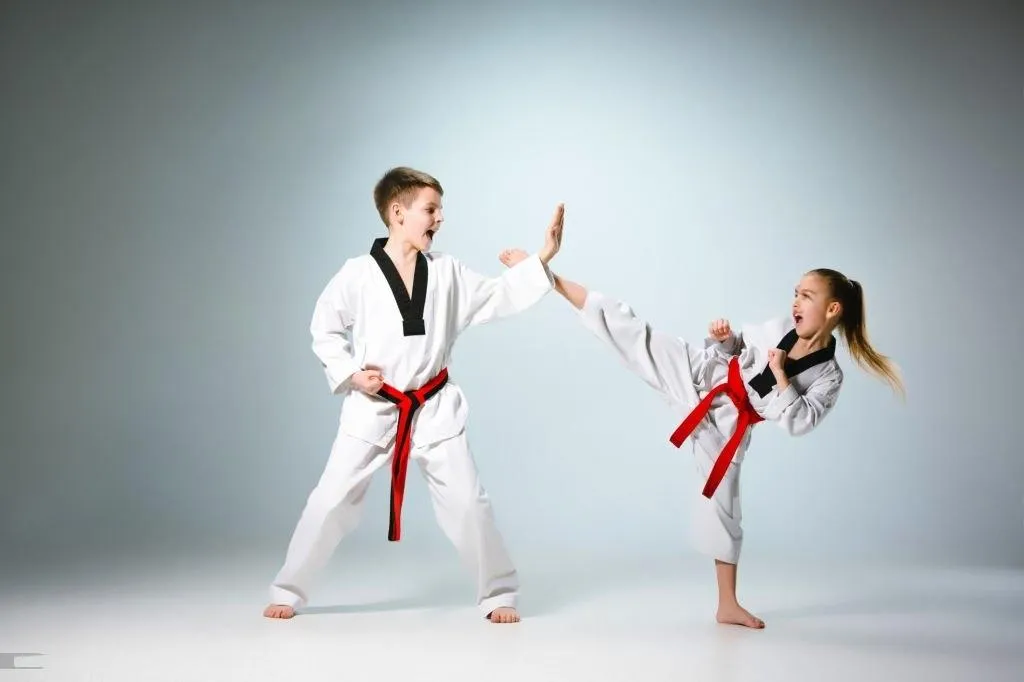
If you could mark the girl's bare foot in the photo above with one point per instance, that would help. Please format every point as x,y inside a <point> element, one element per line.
<point>279,611</point>
<point>734,614</point>
<point>504,614</point>
<point>511,257</point>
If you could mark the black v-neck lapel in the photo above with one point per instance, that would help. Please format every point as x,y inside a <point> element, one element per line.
<point>764,382</point>
<point>410,307</point>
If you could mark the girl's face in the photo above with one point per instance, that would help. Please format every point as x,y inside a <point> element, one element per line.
<point>814,308</point>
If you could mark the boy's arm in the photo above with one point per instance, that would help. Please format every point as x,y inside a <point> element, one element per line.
<point>332,318</point>
<point>482,299</point>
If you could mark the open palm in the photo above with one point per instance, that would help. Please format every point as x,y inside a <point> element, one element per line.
<point>553,236</point>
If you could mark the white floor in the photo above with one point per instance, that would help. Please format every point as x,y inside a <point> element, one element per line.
<point>385,618</point>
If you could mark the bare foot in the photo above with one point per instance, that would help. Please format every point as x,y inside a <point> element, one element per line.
<point>504,614</point>
<point>511,257</point>
<point>279,611</point>
<point>737,615</point>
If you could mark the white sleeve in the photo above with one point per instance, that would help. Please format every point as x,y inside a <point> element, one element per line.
<point>481,299</point>
<point>332,319</point>
<point>666,363</point>
<point>731,346</point>
<point>800,414</point>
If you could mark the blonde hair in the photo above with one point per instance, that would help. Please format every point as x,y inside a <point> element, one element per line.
<point>853,321</point>
<point>404,184</point>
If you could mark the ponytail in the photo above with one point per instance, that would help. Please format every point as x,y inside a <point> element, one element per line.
<point>853,321</point>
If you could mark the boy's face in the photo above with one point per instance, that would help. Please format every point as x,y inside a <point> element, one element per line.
<point>417,223</point>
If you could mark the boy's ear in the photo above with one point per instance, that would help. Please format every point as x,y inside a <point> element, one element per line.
<point>397,212</point>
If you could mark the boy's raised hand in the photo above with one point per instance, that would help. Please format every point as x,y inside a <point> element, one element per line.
<point>553,236</point>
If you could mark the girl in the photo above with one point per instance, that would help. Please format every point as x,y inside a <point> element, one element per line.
<point>782,371</point>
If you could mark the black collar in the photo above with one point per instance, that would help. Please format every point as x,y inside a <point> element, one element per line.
<point>764,382</point>
<point>411,308</point>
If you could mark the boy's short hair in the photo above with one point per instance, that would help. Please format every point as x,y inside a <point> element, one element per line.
<point>404,184</point>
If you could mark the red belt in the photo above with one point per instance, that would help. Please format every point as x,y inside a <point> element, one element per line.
<point>737,392</point>
<point>408,403</point>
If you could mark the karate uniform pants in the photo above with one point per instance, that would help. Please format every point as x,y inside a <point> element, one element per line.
<point>716,523</point>
<point>461,506</point>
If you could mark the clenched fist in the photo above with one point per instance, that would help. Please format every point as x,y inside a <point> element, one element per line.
<point>720,330</point>
<point>776,359</point>
<point>368,381</point>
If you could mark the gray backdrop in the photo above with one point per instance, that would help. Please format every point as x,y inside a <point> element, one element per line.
<point>179,182</point>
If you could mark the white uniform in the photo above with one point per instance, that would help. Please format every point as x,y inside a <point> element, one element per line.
<point>684,374</point>
<point>409,340</point>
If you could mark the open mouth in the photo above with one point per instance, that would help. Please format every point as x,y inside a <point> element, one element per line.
<point>430,234</point>
<point>797,318</point>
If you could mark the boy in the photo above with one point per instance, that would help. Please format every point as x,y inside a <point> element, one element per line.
<point>403,307</point>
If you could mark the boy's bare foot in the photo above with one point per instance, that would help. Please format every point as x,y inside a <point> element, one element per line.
<point>734,614</point>
<point>279,611</point>
<point>511,257</point>
<point>504,614</point>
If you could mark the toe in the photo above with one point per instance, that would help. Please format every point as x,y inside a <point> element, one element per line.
<point>503,615</point>
<point>278,611</point>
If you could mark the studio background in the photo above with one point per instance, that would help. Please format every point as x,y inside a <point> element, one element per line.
<point>179,182</point>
